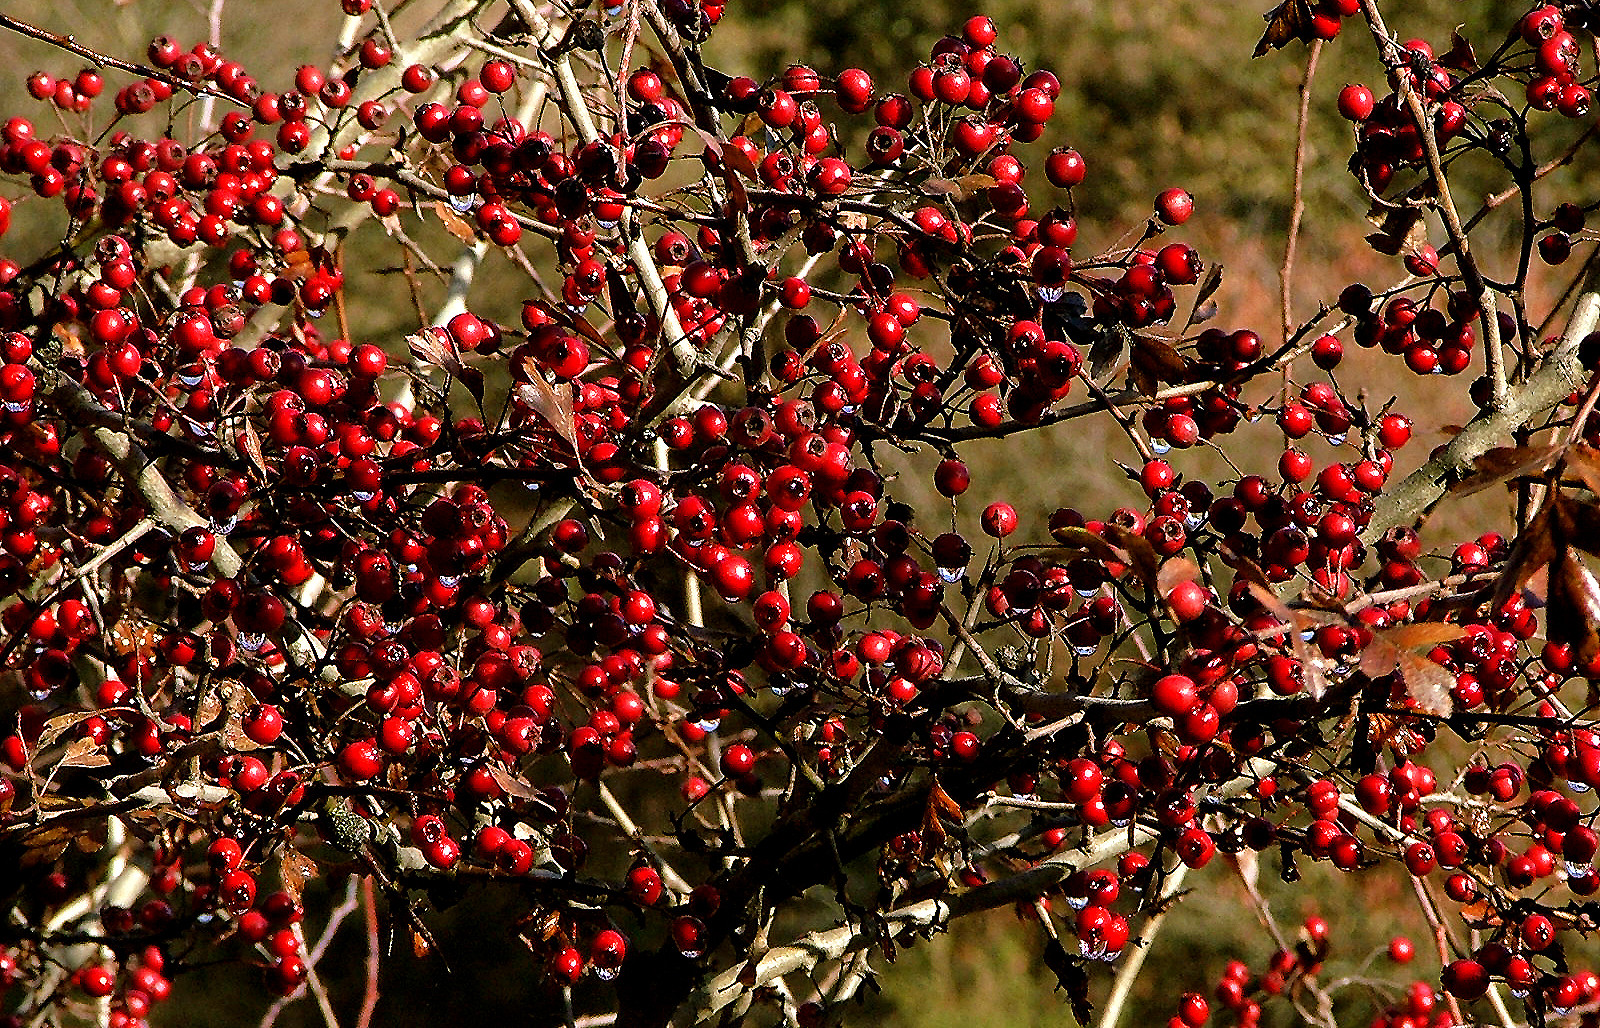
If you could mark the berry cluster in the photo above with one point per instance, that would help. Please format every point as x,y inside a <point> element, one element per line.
<point>283,599</point>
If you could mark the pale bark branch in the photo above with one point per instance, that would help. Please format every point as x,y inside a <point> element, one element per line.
<point>1552,381</point>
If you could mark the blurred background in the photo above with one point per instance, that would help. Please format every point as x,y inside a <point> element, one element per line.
<point>1154,95</point>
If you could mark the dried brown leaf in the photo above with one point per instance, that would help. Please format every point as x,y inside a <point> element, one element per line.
<point>1421,633</point>
<point>1085,541</point>
<point>1507,462</point>
<point>1208,285</point>
<point>1110,353</point>
<point>296,869</point>
<point>1144,561</point>
<point>1583,461</point>
<point>58,725</point>
<point>1585,526</point>
<point>1460,56</point>
<point>1574,609</point>
<point>552,402</point>
<point>1176,570</point>
<point>1401,230</point>
<point>510,783</point>
<point>1427,684</point>
<point>454,223</point>
<point>1535,547</point>
<point>249,443</point>
<point>963,188</point>
<point>84,753</point>
<point>1159,359</point>
<point>1287,22</point>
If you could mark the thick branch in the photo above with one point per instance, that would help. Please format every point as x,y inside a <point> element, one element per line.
<point>1553,381</point>
<point>930,915</point>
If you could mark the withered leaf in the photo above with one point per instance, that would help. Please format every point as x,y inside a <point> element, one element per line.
<point>1070,976</point>
<point>1574,610</point>
<point>1480,915</point>
<point>513,785</point>
<point>43,845</point>
<point>1288,21</point>
<point>1507,462</point>
<point>1583,461</point>
<point>941,809</point>
<point>1144,562</point>
<point>1534,548</point>
<point>1158,359</point>
<point>1400,230</point>
<point>1460,56</point>
<point>1084,540</point>
<point>434,346</point>
<point>296,869</point>
<point>91,835</point>
<point>1141,378</point>
<point>1202,313</point>
<point>730,158</point>
<point>963,188</point>
<point>1176,570</point>
<point>1110,353</point>
<point>940,803</point>
<point>1419,634</point>
<point>1267,598</point>
<point>454,223</point>
<point>552,402</point>
<point>1427,684</point>
<point>58,725</point>
<point>84,753</point>
<point>1204,310</point>
<point>1585,526</point>
<point>249,443</point>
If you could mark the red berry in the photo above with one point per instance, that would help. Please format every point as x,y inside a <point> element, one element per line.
<point>1174,206</point>
<point>1174,694</point>
<point>999,520</point>
<point>738,760</point>
<point>1356,102</point>
<point>1064,168</point>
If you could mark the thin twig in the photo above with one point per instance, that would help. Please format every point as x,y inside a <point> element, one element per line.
<point>369,996</point>
<point>72,46</point>
<point>1133,962</point>
<point>1297,205</point>
<point>1488,310</point>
